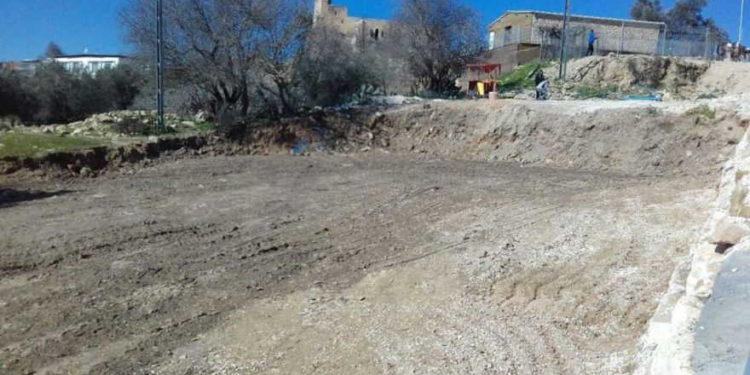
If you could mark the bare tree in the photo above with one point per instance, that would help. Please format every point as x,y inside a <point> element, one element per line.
<point>437,38</point>
<point>283,34</point>
<point>225,48</point>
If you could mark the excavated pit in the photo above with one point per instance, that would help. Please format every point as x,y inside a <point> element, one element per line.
<point>444,237</point>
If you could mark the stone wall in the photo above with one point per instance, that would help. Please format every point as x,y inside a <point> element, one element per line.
<point>352,27</point>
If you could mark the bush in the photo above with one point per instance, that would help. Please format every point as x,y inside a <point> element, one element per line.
<point>15,99</point>
<point>54,95</point>
<point>139,126</point>
<point>330,71</point>
<point>703,110</point>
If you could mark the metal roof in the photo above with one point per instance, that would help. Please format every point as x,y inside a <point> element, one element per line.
<point>619,20</point>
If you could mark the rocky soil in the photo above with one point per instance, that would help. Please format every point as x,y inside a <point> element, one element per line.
<point>344,264</point>
<point>441,237</point>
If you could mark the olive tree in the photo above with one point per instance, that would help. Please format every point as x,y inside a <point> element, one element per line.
<point>232,51</point>
<point>436,39</point>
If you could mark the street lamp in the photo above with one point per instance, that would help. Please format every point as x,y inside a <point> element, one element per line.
<point>742,18</point>
<point>160,63</point>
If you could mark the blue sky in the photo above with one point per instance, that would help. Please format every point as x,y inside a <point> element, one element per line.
<point>26,26</point>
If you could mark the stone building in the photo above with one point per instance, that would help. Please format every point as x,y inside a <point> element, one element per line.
<point>356,28</point>
<point>518,37</point>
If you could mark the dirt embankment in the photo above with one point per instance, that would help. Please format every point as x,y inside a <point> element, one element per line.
<point>635,138</point>
<point>630,71</point>
<point>624,137</point>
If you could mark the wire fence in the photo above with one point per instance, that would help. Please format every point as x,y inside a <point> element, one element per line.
<point>700,43</point>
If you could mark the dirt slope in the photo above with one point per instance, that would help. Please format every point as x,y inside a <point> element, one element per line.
<point>726,78</point>
<point>630,71</point>
<point>631,137</point>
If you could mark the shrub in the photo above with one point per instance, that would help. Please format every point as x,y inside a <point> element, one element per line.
<point>703,110</point>
<point>136,126</point>
<point>16,100</point>
<point>52,94</point>
<point>330,71</point>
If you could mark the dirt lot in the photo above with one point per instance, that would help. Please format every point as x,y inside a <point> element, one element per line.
<point>335,264</point>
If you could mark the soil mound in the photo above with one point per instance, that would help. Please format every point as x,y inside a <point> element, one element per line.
<point>631,71</point>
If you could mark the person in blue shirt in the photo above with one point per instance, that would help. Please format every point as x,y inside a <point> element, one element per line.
<point>592,40</point>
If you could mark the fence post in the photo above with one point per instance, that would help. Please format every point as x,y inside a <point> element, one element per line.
<point>541,46</point>
<point>707,56</point>
<point>622,39</point>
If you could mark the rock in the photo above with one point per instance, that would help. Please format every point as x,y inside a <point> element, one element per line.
<point>188,123</point>
<point>201,116</point>
<point>729,230</point>
<point>86,172</point>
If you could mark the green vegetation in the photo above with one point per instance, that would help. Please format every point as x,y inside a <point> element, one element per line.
<point>703,110</point>
<point>144,126</point>
<point>588,92</point>
<point>205,126</point>
<point>29,145</point>
<point>521,78</point>
<point>53,95</point>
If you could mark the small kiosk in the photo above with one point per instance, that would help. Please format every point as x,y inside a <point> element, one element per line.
<point>482,79</point>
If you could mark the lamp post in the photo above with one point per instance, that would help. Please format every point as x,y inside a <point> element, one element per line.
<point>742,18</point>
<point>564,37</point>
<point>160,63</point>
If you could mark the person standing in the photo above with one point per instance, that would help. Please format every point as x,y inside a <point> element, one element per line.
<point>542,86</point>
<point>592,40</point>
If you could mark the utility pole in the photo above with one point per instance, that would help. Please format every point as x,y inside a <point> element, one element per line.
<point>564,37</point>
<point>160,63</point>
<point>742,19</point>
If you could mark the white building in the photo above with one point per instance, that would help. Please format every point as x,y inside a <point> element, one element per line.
<point>88,62</point>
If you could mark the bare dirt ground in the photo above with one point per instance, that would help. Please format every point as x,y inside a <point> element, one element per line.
<point>336,264</point>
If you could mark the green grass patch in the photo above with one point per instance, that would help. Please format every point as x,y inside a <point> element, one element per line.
<point>703,110</point>
<point>521,78</point>
<point>205,126</point>
<point>588,92</point>
<point>30,145</point>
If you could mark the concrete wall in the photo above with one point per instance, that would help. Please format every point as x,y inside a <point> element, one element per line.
<point>637,38</point>
<point>614,35</point>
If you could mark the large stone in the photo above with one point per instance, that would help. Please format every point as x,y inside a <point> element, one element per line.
<point>729,230</point>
